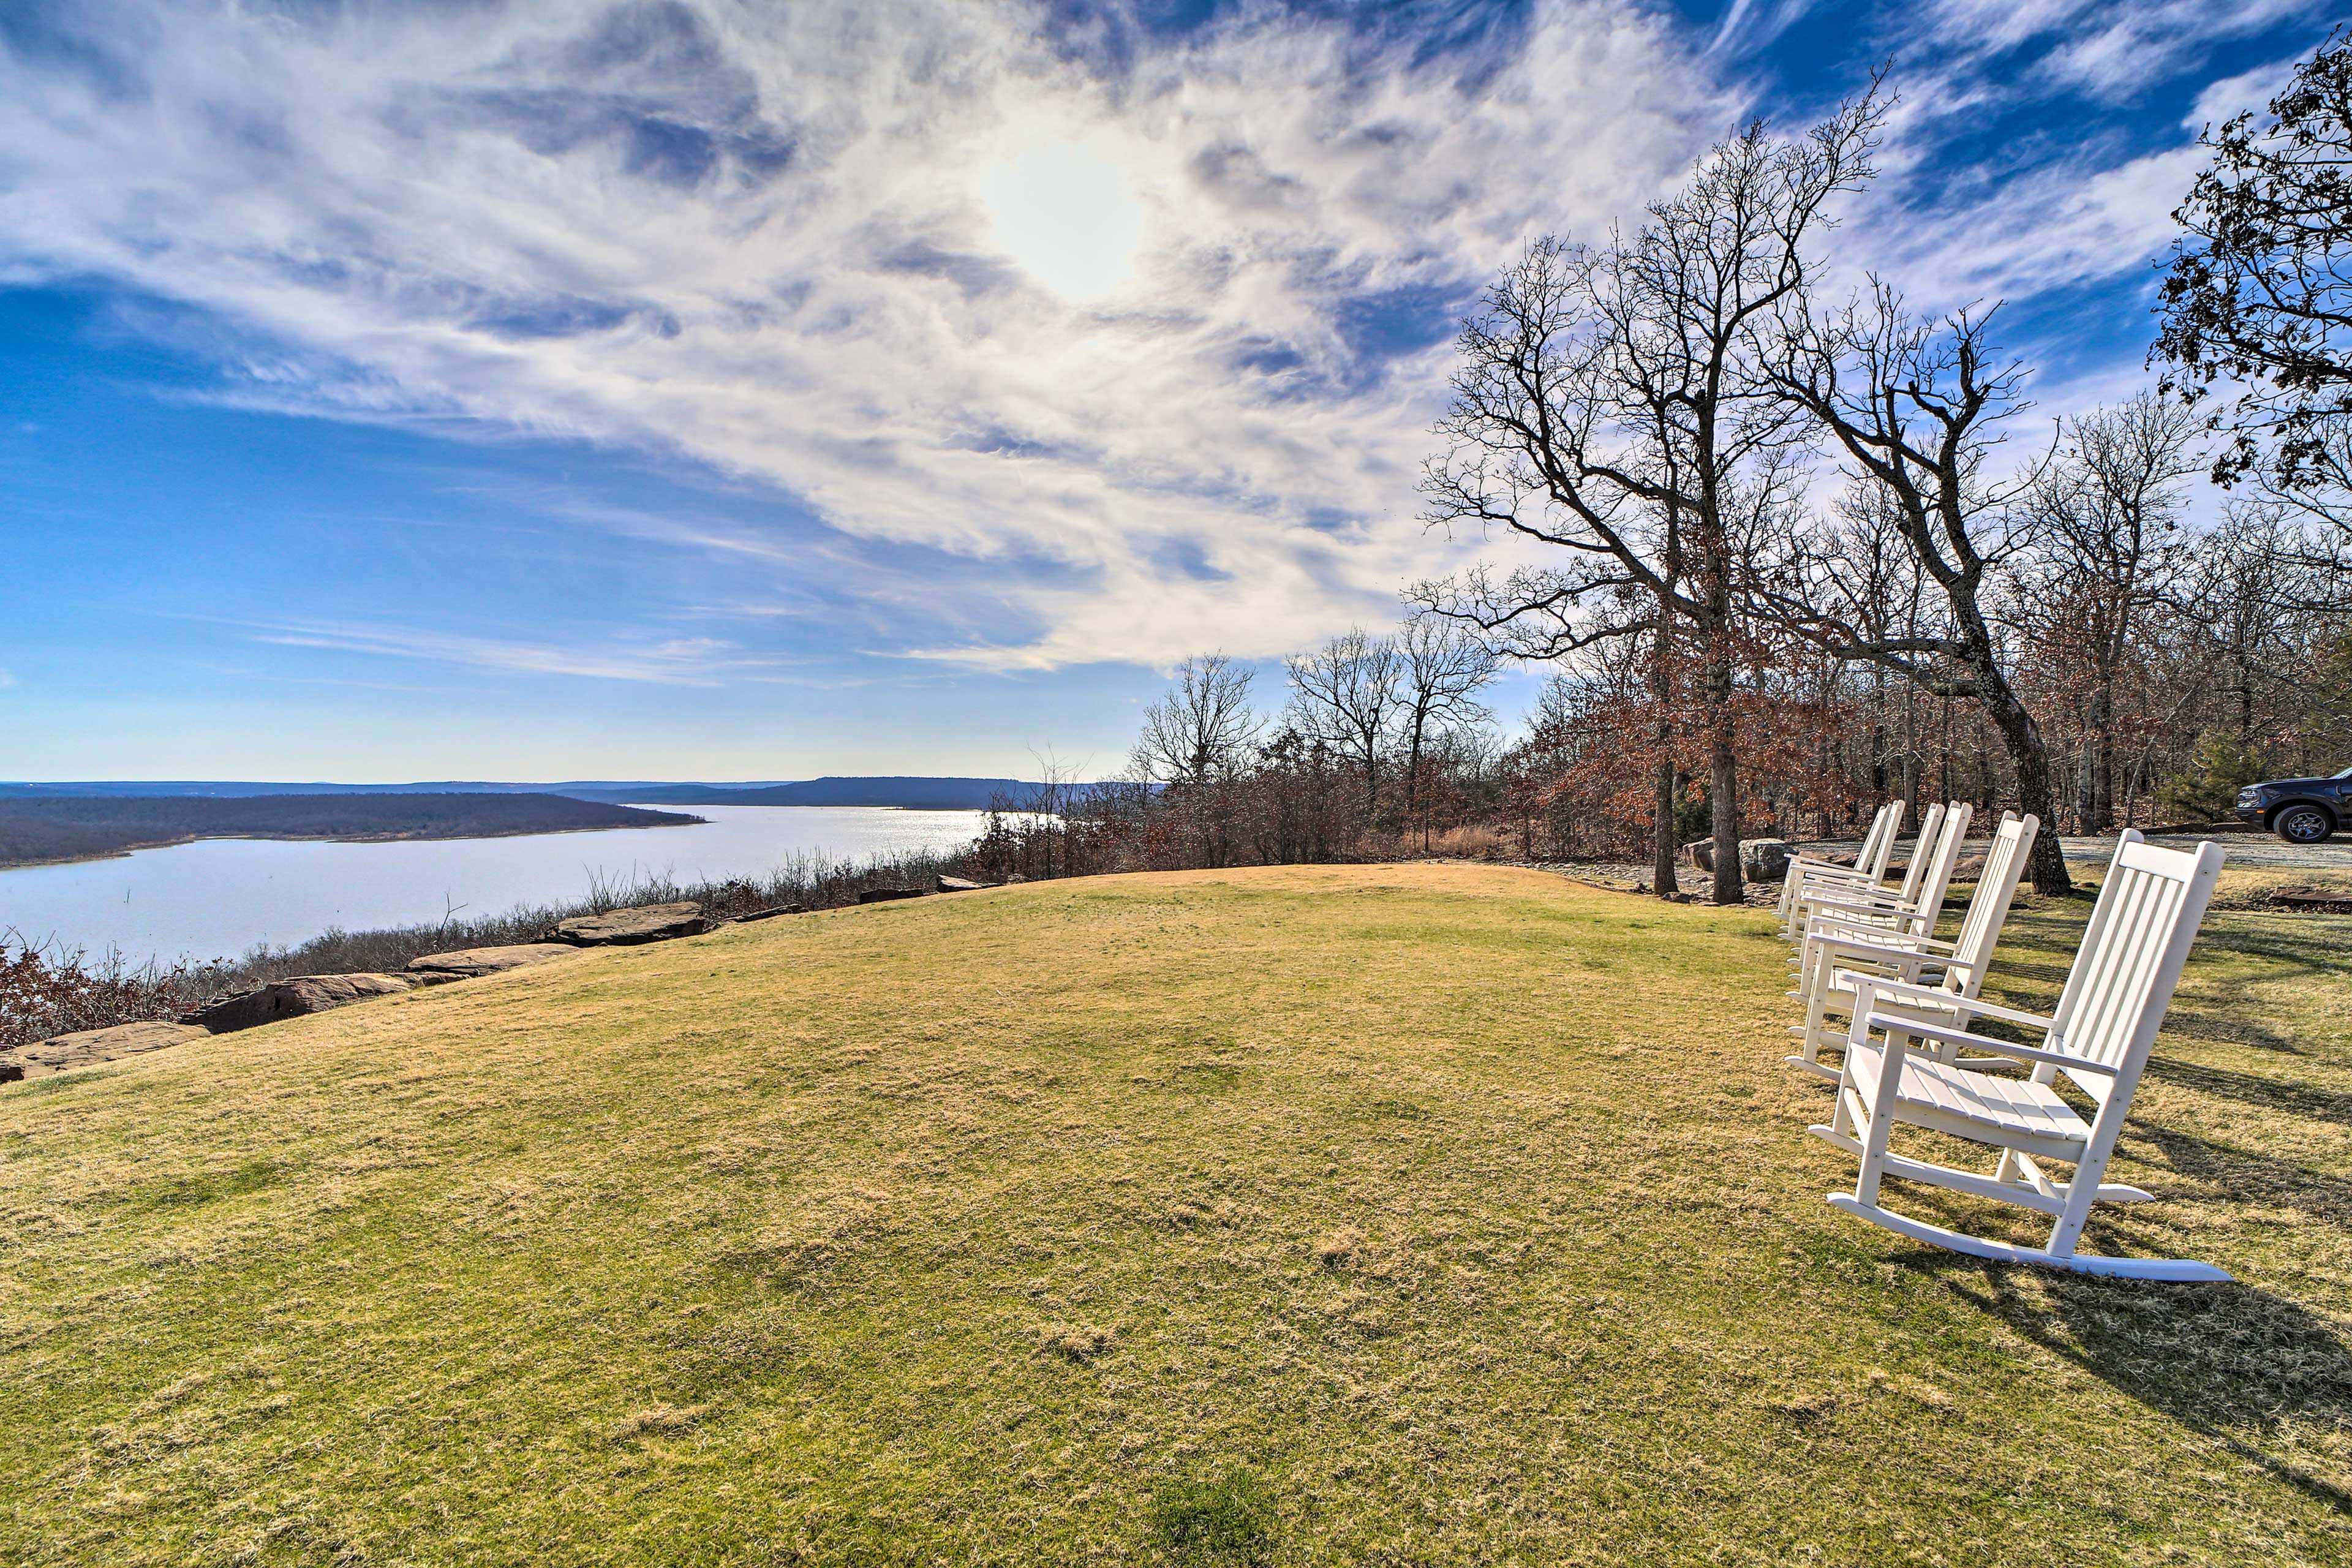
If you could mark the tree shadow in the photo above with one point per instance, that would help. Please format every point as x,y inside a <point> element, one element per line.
<point>2231,1362</point>
<point>2255,1088</point>
<point>2223,936</point>
<point>2189,1024</point>
<point>2240,1176</point>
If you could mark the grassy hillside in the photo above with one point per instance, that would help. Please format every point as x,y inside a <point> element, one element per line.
<point>1335,1214</point>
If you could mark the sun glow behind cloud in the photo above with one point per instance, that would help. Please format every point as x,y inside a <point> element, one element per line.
<point>1067,216</point>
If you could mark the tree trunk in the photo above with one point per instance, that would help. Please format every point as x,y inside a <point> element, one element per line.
<point>2022,738</point>
<point>1723,787</point>
<point>1664,840</point>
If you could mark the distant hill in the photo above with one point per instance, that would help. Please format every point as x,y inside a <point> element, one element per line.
<point>907,792</point>
<point>36,831</point>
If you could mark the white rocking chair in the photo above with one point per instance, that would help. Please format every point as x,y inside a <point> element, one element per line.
<point>2123,979</point>
<point>1836,954</point>
<point>1914,908</point>
<point>1819,885</point>
<point>1869,867</point>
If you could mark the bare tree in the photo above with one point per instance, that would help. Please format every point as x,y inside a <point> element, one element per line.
<point>1347,693</point>
<point>1916,407</point>
<point>1442,667</point>
<point>1610,405</point>
<point>1202,731</point>
<point>1196,740</point>
<point>2110,550</point>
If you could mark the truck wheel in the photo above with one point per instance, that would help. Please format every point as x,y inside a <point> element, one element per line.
<point>2304,825</point>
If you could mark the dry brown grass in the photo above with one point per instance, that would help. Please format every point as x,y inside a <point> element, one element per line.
<point>1427,1215</point>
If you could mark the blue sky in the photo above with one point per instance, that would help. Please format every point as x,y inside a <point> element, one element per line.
<point>553,388</point>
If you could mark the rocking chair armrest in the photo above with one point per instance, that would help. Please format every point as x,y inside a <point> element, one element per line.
<point>1896,990</point>
<point>1822,871</point>
<point>1865,903</point>
<point>1857,945</point>
<point>1953,1034</point>
<point>1886,936</point>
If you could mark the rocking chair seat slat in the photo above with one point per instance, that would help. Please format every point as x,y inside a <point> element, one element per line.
<point>2016,1107</point>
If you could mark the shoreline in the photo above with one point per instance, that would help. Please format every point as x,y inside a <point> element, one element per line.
<point>127,850</point>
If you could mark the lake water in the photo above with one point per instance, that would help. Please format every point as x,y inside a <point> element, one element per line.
<point>218,897</point>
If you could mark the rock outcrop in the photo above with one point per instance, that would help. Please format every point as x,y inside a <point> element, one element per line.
<point>294,998</point>
<point>772,914</point>
<point>63,1053</point>
<point>885,895</point>
<point>626,928</point>
<point>1761,859</point>
<point>466,962</point>
<point>960,885</point>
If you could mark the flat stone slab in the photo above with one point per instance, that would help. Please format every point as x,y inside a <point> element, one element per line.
<point>885,895</point>
<point>960,885</point>
<point>466,962</point>
<point>63,1053</point>
<point>294,998</point>
<point>625,928</point>
<point>772,914</point>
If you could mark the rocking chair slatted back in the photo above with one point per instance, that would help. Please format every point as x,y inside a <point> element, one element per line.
<point>1922,850</point>
<point>1878,844</point>
<point>2138,939</point>
<point>1937,884</point>
<point>1989,907</point>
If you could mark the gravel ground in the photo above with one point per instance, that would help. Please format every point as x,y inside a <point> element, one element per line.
<point>2248,851</point>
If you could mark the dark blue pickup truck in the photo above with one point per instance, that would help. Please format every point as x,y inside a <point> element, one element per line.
<point>2300,811</point>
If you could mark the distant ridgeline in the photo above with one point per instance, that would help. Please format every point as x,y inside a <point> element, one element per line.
<point>907,794</point>
<point>35,829</point>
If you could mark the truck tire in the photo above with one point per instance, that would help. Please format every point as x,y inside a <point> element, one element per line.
<point>2304,824</point>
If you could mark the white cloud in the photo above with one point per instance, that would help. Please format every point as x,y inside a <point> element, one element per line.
<point>2108,50</point>
<point>754,235</point>
<point>674,661</point>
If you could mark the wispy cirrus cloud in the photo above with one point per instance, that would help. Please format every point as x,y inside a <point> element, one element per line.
<point>759,237</point>
<point>674,661</point>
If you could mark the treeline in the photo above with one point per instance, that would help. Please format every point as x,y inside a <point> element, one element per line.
<point>36,831</point>
<point>1789,546</point>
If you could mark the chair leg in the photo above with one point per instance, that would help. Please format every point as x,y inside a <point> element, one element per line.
<point>1816,1035</point>
<point>1874,1130</point>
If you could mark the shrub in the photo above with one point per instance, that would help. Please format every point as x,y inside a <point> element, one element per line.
<point>2219,765</point>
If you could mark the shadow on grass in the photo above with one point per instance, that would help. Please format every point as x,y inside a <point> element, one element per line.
<point>2230,1363</point>
<point>2243,1176</point>
<point>2191,1025</point>
<point>2253,1089</point>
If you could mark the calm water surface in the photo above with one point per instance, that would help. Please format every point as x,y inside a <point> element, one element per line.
<point>218,897</point>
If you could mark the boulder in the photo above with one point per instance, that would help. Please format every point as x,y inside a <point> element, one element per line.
<point>1764,859</point>
<point>294,998</point>
<point>884,895</point>
<point>466,962</point>
<point>1761,859</point>
<point>626,928</point>
<point>772,914</point>
<point>960,885</point>
<point>63,1053</point>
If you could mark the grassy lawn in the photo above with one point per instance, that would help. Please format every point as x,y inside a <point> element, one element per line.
<point>1427,1215</point>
